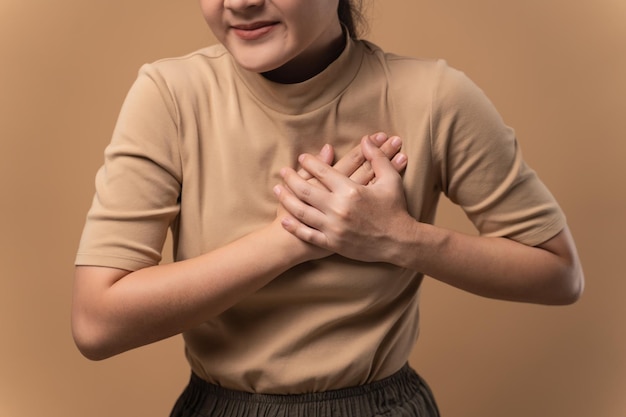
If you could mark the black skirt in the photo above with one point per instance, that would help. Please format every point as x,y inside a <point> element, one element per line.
<point>403,394</point>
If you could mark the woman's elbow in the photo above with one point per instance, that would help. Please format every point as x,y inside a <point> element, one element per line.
<point>567,280</point>
<point>94,334</point>
<point>91,339</point>
<point>569,287</point>
<point>576,287</point>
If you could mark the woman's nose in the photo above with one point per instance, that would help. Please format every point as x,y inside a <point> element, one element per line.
<point>242,4</point>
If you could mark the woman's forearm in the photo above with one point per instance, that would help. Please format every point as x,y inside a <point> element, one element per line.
<point>115,310</point>
<point>499,268</point>
<point>371,223</point>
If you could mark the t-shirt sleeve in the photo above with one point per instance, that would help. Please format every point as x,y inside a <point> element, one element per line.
<point>481,166</point>
<point>138,187</point>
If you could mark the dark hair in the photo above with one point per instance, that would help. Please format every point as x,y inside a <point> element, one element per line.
<point>350,16</point>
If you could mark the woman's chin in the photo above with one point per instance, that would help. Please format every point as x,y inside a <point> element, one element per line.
<point>257,65</point>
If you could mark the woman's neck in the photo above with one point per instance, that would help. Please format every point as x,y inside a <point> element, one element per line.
<point>308,64</point>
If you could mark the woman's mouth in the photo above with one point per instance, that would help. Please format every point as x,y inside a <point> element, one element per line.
<point>253,31</point>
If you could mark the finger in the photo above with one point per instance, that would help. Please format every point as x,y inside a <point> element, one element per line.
<point>391,146</point>
<point>306,191</point>
<point>364,174</point>
<point>350,162</point>
<point>300,211</point>
<point>328,176</point>
<point>381,165</point>
<point>327,155</point>
<point>305,233</point>
<point>399,162</point>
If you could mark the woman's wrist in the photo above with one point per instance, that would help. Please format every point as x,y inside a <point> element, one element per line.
<point>293,251</point>
<point>415,243</point>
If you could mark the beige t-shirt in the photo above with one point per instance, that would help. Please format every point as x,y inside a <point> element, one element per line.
<point>198,147</point>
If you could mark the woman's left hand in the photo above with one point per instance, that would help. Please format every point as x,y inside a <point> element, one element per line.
<point>361,222</point>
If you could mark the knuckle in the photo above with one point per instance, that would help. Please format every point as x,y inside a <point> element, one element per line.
<point>313,165</point>
<point>322,171</point>
<point>309,236</point>
<point>300,214</point>
<point>353,194</point>
<point>305,191</point>
<point>356,156</point>
<point>343,212</point>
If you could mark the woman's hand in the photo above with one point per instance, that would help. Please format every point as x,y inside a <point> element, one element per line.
<point>355,216</point>
<point>355,167</point>
<point>110,306</point>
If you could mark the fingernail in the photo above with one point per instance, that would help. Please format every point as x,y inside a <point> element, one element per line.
<point>400,158</point>
<point>380,137</point>
<point>396,141</point>
<point>276,190</point>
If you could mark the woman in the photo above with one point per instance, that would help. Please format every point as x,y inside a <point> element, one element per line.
<point>297,291</point>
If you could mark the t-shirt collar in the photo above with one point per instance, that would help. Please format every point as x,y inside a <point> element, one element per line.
<point>311,94</point>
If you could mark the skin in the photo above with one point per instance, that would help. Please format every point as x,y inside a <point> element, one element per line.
<point>371,223</point>
<point>302,37</point>
<point>322,209</point>
<point>110,306</point>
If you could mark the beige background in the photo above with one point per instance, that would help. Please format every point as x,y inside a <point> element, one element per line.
<point>554,68</point>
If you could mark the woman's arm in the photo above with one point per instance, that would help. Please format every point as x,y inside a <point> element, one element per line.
<point>371,223</point>
<point>500,268</point>
<point>116,310</point>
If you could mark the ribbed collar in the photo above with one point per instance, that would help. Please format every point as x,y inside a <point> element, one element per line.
<point>311,94</point>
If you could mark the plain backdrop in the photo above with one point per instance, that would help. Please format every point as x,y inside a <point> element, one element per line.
<point>554,68</point>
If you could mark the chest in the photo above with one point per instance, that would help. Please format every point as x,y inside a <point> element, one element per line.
<point>233,154</point>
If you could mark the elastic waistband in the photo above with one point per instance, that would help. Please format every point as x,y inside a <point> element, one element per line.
<point>403,393</point>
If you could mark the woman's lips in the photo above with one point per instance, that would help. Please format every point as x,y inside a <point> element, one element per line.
<point>250,32</point>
